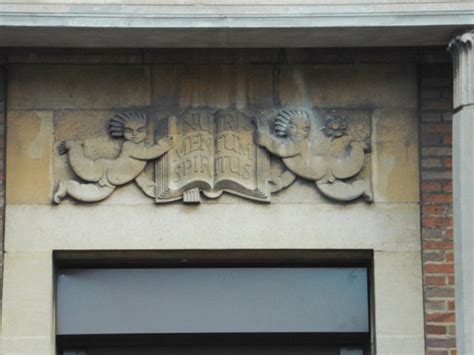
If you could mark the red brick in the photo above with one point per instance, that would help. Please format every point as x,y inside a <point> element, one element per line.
<point>445,317</point>
<point>451,280</point>
<point>437,245</point>
<point>441,198</point>
<point>448,163</point>
<point>436,329</point>
<point>450,257</point>
<point>437,221</point>
<point>439,268</point>
<point>431,187</point>
<point>435,280</point>
<point>451,305</point>
<point>434,210</point>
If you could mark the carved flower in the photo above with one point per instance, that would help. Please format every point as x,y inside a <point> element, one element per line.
<point>334,126</point>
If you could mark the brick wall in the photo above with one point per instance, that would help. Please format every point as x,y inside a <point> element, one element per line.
<point>436,207</point>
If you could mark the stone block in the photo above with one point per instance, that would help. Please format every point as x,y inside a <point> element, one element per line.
<point>349,86</point>
<point>166,88</point>
<point>214,226</point>
<point>78,86</point>
<point>178,87</point>
<point>29,157</point>
<point>398,295</point>
<point>27,346</point>
<point>208,86</point>
<point>398,345</point>
<point>256,87</point>
<point>395,156</point>
<point>28,295</point>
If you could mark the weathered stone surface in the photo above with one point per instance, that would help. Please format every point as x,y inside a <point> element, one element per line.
<point>208,86</point>
<point>398,295</point>
<point>215,86</point>
<point>27,346</point>
<point>78,86</point>
<point>25,296</point>
<point>349,86</point>
<point>397,276</point>
<point>29,157</point>
<point>221,226</point>
<point>396,345</point>
<point>395,156</point>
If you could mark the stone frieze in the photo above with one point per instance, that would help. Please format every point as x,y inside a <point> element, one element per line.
<point>205,152</point>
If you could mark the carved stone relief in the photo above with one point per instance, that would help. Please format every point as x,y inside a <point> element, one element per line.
<point>206,152</point>
<point>102,176</point>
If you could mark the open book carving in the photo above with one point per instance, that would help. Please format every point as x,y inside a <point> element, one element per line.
<point>213,152</point>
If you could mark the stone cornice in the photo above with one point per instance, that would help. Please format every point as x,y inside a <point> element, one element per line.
<point>235,14</point>
<point>231,23</point>
<point>461,48</point>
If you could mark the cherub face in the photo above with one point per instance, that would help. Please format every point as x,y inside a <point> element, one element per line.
<point>298,128</point>
<point>134,131</point>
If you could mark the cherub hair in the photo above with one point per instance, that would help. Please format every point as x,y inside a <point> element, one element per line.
<point>284,118</point>
<point>118,122</point>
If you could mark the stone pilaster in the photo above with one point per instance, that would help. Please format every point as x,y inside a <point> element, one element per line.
<point>462,50</point>
<point>461,47</point>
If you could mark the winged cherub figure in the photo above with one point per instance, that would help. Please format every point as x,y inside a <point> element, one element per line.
<point>292,144</point>
<point>104,175</point>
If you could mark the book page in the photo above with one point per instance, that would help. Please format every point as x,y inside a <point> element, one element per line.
<point>192,157</point>
<point>235,156</point>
